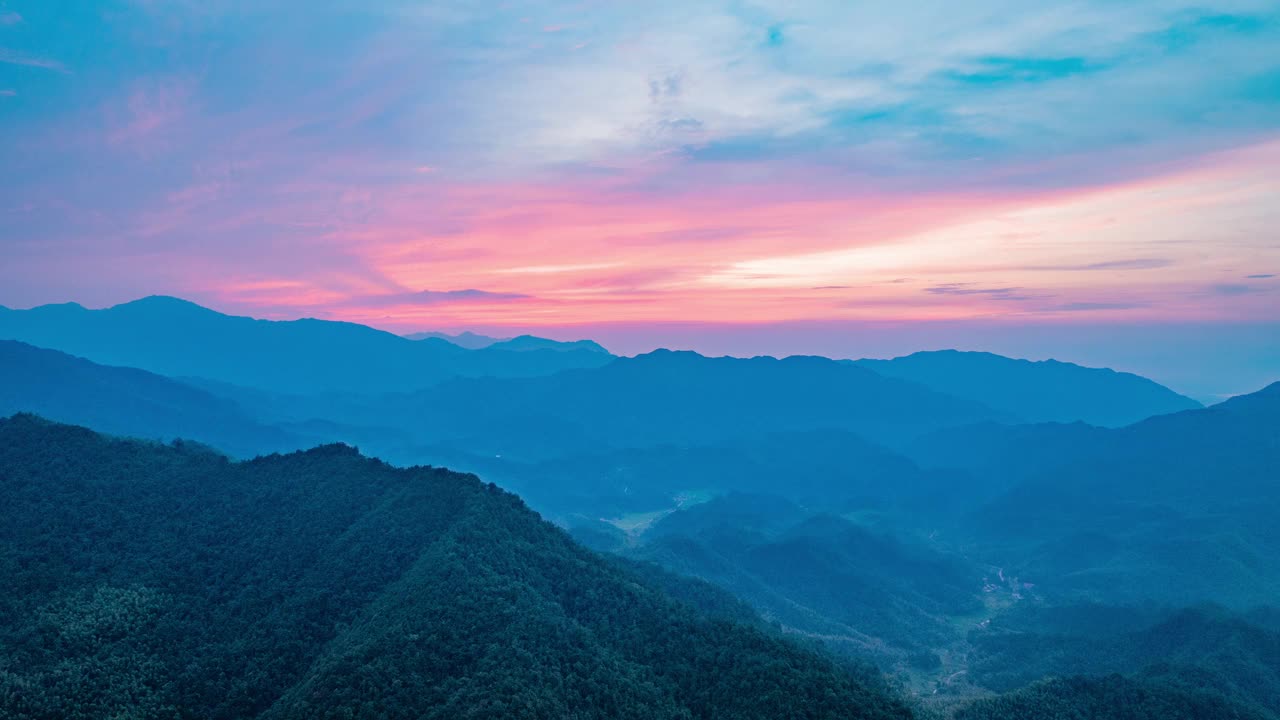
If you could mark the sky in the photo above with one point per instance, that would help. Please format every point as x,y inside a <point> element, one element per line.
<point>1090,180</point>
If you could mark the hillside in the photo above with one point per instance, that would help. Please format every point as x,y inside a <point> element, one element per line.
<point>1114,697</point>
<point>181,339</point>
<point>164,581</point>
<point>1203,662</point>
<point>1178,508</point>
<point>1228,652</point>
<point>865,592</point>
<point>1037,391</point>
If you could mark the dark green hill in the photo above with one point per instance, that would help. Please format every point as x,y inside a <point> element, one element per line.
<point>1205,646</point>
<point>864,592</point>
<point>156,581</point>
<point>1178,508</point>
<point>1127,663</point>
<point>1109,698</point>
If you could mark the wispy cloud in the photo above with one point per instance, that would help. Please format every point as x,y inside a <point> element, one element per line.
<point>1091,306</point>
<point>857,81</point>
<point>1128,264</point>
<point>150,107</point>
<point>964,288</point>
<point>15,57</point>
<point>10,18</point>
<point>436,297</point>
<point>711,162</point>
<point>1235,289</point>
<point>557,269</point>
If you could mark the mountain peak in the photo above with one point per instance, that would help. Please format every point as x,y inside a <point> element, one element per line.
<point>56,307</point>
<point>465,339</point>
<point>163,303</point>
<point>660,354</point>
<point>1268,399</point>
<point>533,342</point>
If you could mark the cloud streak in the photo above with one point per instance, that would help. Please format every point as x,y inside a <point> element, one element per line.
<point>15,57</point>
<point>427,298</point>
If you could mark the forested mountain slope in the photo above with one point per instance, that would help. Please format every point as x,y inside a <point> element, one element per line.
<point>1180,508</point>
<point>158,581</point>
<point>866,592</point>
<point>1127,663</point>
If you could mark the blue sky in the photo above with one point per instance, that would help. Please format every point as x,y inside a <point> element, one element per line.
<point>619,167</point>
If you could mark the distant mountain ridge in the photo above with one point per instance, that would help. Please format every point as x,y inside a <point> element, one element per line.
<point>178,338</point>
<point>127,401</point>
<point>465,339</point>
<point>1037,391</point>
<point>684,398</point>
<point>525,343</point>
<point>473,341</point>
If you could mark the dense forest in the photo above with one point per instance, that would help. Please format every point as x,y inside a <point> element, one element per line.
<point>866,592</point>
<point>163,581</point>
<point>1108,698</point>
<point>1234,657</point>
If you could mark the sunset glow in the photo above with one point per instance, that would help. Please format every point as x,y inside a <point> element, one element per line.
<point>539,166</point>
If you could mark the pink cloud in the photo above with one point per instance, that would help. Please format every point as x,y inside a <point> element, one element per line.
<point>151,107</point>
<point>350,235</point>
<point>591,251</point>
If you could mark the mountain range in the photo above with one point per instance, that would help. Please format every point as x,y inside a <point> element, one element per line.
<point>181,339</point>
<point>1036,392</point>
<point>128,401</point>
<point>938,515</point>
<point>473,341</point>
<point>178,338</point>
